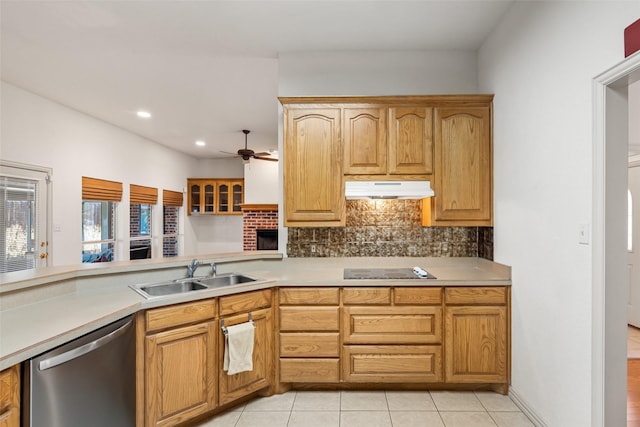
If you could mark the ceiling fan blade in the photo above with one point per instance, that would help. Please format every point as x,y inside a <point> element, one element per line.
<point>263,154</point>
<point>271,159</point>
<point>232,154</point>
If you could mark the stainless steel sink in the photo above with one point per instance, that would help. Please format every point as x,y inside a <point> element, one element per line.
<point>181,286</point>
<point>225,280</point>
<point>168,288</point>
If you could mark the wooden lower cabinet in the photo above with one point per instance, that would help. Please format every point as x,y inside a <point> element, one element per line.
<point>392,337</point>
<point>477,335</point>
<point>233,387</point>
<point>392,363</point>
<point>180,373</point>
<point>309,338</point>
<point>477,344</point>
<point>10,397</point>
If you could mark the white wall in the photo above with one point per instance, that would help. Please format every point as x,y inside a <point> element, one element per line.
<point>377,73</point>
<point>40,132</point>
<point>540,62</point>
<point>261,182</point>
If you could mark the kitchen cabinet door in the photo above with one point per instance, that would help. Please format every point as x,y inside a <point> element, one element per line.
<point>10,397</point>
<point>476,344</point>
<point>410,140</point>
<point>233,387</point>
<point>365,141</point>
<point>180,374</point>
<point>230,197</point>
<point>463,169</point>
<point>313,168</point>
<point>202,197</point>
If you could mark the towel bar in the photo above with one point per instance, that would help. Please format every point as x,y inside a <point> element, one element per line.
<point>224,329</point>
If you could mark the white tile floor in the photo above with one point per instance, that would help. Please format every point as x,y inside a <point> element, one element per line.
<point>375,409</point>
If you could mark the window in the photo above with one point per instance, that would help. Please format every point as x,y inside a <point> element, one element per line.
<point>23,216</point>
<point>99,203</point>
<point>98,231</point>
<point>141,203</point>
<point>629,221</point>
<point>172,201</point>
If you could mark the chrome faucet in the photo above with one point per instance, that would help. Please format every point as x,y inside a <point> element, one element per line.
<point>192,267</point>
<point>214,269</point>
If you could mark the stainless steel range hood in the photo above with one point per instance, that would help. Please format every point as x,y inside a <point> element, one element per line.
<point>388,189</point>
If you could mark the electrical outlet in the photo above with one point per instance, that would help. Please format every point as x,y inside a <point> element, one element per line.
<point>313,249</point>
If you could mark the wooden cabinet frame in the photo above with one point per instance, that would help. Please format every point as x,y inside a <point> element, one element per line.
<point>443,138</point>
<point>217,201</point>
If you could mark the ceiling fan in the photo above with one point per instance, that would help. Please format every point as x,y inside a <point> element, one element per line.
<point>247,153</point>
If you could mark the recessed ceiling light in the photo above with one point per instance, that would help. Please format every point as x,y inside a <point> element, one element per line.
<point>143,114</point>
<point>201,143</point>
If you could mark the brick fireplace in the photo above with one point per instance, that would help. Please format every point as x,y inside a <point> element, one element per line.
<point>257,217</point>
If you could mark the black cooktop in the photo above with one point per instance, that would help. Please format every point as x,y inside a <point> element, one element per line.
<point>383,273</point>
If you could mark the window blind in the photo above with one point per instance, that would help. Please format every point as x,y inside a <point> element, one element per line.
<point>145,195</point>
<point>101,189</point>
<point>18,223</point>
<point>171,198</point>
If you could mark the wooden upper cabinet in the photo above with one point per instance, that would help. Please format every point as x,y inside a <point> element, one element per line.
<point>213,196</point>
<point>410,140</point>
<point>313,172</point>
<point>463,169</point>
<point>365,141</point>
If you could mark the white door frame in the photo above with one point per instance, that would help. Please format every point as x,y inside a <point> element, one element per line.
<point>609,269</point>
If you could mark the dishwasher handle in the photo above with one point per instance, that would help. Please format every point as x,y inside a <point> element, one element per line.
<point>83,349</point>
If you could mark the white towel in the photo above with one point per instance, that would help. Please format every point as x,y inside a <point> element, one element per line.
<point>238,348</point>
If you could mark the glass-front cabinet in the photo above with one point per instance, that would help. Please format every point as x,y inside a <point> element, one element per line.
<point>215,196</point>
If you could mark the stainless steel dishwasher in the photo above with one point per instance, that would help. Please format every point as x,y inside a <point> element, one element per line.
<point>88,382</point>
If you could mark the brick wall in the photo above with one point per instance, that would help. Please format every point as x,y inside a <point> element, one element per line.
<point>257,220</point>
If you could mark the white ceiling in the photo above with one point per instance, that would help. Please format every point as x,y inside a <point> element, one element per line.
<point>208,69</point>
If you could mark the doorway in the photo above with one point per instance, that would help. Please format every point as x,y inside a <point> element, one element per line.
<point>633,245</point>
<point>609,251</point>
<point>24,223</point>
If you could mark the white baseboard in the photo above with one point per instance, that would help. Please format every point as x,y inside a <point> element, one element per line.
<point>526,409</point>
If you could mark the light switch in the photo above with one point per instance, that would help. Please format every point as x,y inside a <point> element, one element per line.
<point>583,234</point>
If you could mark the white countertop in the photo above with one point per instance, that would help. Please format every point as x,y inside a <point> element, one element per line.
<point>42,309</point>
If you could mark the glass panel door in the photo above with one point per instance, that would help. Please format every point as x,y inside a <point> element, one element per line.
<point>23,223</point>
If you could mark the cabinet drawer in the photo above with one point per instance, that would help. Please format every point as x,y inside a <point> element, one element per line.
<point>180,314</point>
<point>309,319</point>
<point>309,296</point>
<point>245,302</point>
<point>392,363</point>
<point>475,295</point>
<point>417,296</point>
<point>366,295</point>
<point>392,325</point>
<point>309,345</point>
<point>310,370</point>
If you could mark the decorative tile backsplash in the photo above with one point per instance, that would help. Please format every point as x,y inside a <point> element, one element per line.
<point>388,228</point>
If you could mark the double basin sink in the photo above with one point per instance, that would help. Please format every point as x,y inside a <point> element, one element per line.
<point>181,286</point>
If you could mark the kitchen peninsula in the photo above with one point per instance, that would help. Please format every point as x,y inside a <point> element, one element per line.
<point>314,328</point>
